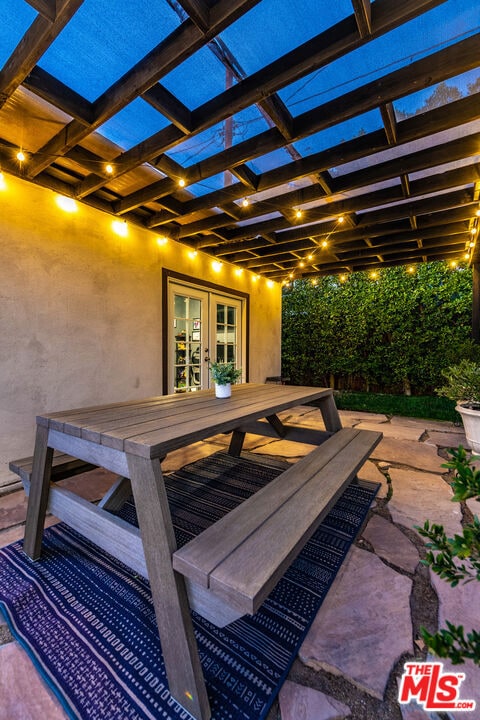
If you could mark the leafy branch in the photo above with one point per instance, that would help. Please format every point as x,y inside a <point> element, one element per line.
<point>451,643</point>
<point>455,560</point>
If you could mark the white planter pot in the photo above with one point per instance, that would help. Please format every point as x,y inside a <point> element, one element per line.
<point>471,424</point>
<point>223,391</point>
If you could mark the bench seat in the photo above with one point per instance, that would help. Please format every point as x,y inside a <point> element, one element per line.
<point>63,466</point>
<point>240,558</point>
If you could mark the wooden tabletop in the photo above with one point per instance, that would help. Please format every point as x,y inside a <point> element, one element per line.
<point>154,426</point>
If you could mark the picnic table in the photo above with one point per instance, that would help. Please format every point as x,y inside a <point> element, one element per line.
<point>230,567</point>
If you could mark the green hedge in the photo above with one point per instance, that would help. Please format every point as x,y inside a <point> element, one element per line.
<point>394,334</point>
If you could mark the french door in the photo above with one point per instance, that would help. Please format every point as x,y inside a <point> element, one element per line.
<point>203,327</point>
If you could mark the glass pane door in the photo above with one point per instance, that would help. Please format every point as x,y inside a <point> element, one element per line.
<point>226,326</point>
<point>202,327</point>
<point>188,367</point>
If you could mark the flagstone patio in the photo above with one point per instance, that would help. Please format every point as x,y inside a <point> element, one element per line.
<point>352,658</point>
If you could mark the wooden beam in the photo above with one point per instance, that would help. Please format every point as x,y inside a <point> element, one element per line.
<point>315,53</point>
<point>371,220</point>
<point>325,116</point>
<point>39,36</point>
<point>279,114</point>
<point>246,176</point>
<point>198,11</point>
<point>47,8</point>
<point>177,47</point>
<point>324,179</point>
<point>386,235</point>
<point>363,16</point>
<point>404,179</point>
<point>459,149</point>
<point>59,95</point>
<point>165,102</point>
<point>389,122</point>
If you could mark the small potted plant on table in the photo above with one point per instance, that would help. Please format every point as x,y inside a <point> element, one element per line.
<point>223,375</point>
<point>463,386</point>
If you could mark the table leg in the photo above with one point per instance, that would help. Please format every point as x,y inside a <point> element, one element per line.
<point>179,647</point>
<point>38,497</point>
<point>329,411</point>
<point>277,425</point>
<point>236,443</point>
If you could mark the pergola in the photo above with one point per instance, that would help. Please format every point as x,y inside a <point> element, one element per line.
<point>292,139</point>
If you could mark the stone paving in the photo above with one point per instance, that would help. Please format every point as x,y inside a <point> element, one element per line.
<point>350,662</point>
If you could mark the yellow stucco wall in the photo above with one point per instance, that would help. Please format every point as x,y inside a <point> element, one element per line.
<point>81,311</point>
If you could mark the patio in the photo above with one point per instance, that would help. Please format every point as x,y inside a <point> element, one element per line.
<point>380,598</point>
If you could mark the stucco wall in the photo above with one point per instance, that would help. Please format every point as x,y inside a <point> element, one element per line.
<point>80,311</point>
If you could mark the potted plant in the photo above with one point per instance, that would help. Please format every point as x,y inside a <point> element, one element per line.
<point>463,386</point>
<point>223,375</point>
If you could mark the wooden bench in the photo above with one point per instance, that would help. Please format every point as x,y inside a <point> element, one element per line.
<point>240,558</point>
<point>63,466</point>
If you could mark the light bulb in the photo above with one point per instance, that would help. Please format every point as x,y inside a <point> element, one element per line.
<point>120,227</point>
<point>67,204</point>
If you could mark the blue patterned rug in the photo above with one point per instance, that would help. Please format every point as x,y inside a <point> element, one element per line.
<point>88,623</point>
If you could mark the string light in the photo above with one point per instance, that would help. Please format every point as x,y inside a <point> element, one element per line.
<point>245,202</point>
<point>192,254</point>
<point>109,169</point>
<point>341,219</point>
<point>324,244</point>
<point>238,271</point>
<point>66,204</point>
<point>20,156</point>
<point>270,283</point>
<point>298,214</point>
<point>217,265</point>
<point>343,278</point>
<point>453,264</point>
<point>301,264</point>
<point>374,275</point>
<point>411,269</point>
<point>181,182</point>
<point>162,240</point>
<point>120,227</point>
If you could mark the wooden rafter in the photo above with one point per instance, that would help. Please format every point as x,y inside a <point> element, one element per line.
<point>363,16</point>
<point>313,54</point>
<point>375,180</point>
<point>36,40</point>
